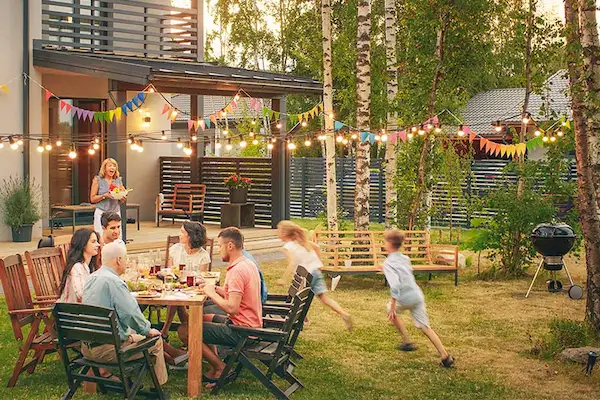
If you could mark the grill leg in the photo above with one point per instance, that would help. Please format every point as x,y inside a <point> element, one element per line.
<point>534,278</point>
<point>568,274</point>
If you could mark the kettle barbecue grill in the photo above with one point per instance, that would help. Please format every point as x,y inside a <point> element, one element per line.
<point>553,242</point>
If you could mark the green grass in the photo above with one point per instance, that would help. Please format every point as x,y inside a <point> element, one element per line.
<point>485,325</point>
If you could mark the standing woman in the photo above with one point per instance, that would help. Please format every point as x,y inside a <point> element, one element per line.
<point>81,262</point>
<point>100,192</point>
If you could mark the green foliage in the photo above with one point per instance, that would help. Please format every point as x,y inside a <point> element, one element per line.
<point>563,334</point>
<point>20,202</point>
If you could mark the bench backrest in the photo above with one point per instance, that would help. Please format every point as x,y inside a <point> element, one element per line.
<point>366,248</point>
<point>182,193</point>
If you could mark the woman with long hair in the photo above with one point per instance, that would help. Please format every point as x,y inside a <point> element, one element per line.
<point>301,251</point>
<point>100,193</point>
<point>81,262</point>
<point>190,249</point>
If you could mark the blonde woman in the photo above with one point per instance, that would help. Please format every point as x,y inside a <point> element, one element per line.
<point>300,251</point>
<point>100,194</point>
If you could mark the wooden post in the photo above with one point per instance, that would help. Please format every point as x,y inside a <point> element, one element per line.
<point>117,149</point>
<point>280,171</point>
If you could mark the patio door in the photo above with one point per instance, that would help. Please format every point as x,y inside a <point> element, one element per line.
<point>70,180</point>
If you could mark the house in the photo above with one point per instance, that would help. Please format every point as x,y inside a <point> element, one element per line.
<point>96,56</point>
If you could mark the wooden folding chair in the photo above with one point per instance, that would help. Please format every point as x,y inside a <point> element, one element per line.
<point>23,312</point>
<point>270,347</point>
<point>46,267</point>
<point>98,325</point>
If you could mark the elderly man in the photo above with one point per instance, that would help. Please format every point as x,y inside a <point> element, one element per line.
<point>105,288</point>
<point>239,298</point>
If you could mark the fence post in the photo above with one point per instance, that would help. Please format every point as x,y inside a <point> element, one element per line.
<point>341,182</point>
<point>380,194</point>
<point>469,194</point>
<point>303,165</point>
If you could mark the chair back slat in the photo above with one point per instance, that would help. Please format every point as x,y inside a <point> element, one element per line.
<point>294,322</point>
<point>16,291</point>
<point>302,278</point>
<point>46,267</point>
<point>82,322</point>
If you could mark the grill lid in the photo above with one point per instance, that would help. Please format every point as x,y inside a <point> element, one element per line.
<point>553,239</point>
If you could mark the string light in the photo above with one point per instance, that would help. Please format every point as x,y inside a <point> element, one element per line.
<point>13,145</point>
<point>413,129</point>
<point>187,150</point>
<point>1,144</point>
<point>243,144</point>
<point>130,139</point>
<point>58,142</point>
<point>461,131</point>
<point>322,137</point>
<point>564,123</point>
<point>48,146</point>
<point>255,142</point>
<point>218,145</point>
<point>179,143</point>
<point>134,146</point>
<point>174,114</point>
<point>354,136</point>
<point>150,89</point>
<point>40,147</point>
<point>229,146</point>
<point>526,118</point>
<point>410,136</point>
<point>225,132</point>
<point>278,126</point>
<point>421,130</point>
<point>545,139</point>
<point>331,115</point>
<point>291,146</point>
<point>377,138</point>
<point>552,139</point>
<point>140,146</point>
<point>251,134</point>
<point>223,114</point>
<point>339,138</point>
<point>270,146</point>
<point>19,141</point>
<point>498,126</point>
<point>194,138</point>
<point>163,136</point>
<point>307,142</point>
<point>253,122</point>
<point>96,140</point>
<point>559,133</point>
<point>91,151</point>
<point>73,152</point>
<point>96,146</point>
<point>237,97</point>
<point>345,141</point>
<point>438,128</point>
<point>304,124</point>
<point>384,138</point>
<point>273,139</point>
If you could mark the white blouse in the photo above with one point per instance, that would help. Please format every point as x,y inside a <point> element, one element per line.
<point>193,262</point>
<point>73,292</point>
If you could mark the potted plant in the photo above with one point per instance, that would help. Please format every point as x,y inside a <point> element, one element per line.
<point>238,188</point>
<point>19,202</point>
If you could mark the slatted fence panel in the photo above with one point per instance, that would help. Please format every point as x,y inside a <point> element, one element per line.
<point>174,170</point>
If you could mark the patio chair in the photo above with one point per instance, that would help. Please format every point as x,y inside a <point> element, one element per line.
<point>24,315</point>
<point>187,200</point>
<point>98,325</point>
<point>46,266</point>
<point>270,347</point>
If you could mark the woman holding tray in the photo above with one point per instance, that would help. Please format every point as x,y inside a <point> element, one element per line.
<point>102,192</point>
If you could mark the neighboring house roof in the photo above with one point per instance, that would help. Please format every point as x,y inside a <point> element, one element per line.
<point>212,104</point>
<point>506,104</point>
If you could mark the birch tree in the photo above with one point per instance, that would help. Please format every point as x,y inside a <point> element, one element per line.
<point>332,222</point>
<point>363,115</point>
<point>392,92</point>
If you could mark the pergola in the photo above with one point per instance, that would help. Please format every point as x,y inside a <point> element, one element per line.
<point>194,78</point>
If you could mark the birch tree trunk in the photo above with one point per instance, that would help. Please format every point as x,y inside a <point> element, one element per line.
<point>392,91</point>
<point>332,221</point>
<point>363,115</point>
<point>591,70</point>
<point>584,101</point>
<point>421,191</point>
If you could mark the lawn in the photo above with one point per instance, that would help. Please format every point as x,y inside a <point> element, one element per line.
<point>489,327</point>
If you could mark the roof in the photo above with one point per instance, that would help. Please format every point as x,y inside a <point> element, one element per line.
<point>174,76</point>
<point>506,104</point>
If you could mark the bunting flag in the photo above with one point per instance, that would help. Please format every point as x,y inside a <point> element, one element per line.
<point>207,122</point>
<point>111,115</point>
<point>4,88</point>
<point>337,125</point>
<point>472,136</point>
<point>68,108</point>
<point>190,124</point>
<point>403,136</point>
<point>118,113</point>
<point>48,94</point>
<point>166,109</point>
<point>202,124</point>
<point>213,118</point>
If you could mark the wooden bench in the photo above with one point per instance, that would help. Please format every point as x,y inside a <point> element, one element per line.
<point>363,252</point>
<point>187,200</point>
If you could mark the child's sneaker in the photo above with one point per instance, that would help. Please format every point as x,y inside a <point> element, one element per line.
<point>407,347</point>
<point>348,321</point>
<point>448,362</point>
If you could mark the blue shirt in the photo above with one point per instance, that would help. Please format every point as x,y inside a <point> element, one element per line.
<point>399,275</point>
<point>105,288</point>
<point>263,285</point>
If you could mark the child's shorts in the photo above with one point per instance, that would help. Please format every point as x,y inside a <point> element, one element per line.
<point>318,285</point>
<point>418,312</point>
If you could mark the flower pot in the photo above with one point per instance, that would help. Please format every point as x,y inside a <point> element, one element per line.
<point>238,195</point>
<point>22,233</point>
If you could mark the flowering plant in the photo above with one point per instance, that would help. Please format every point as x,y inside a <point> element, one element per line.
<point>236,181</point>
<point>117,192</point>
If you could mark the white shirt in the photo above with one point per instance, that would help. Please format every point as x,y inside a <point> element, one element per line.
<point>301,256</point>
<point>399,275</point>
<point>192,262</point>
<point>73,292</point>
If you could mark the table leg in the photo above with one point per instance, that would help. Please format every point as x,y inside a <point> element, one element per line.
<point>73,215</point>
<point>138,217</point>
<point>195,351</point>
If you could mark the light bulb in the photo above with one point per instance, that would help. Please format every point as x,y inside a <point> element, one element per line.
<point>228,147</point>
<point>134,146</point>
<point>525,118</point>
<point>58,142</point>
<point>339,139</point>
<point>291,146</point>
<point>253,122</point>
<point>130,139</point>
<point>255,142</point>
<point>559,133</point>
<point>377,138</point>
<point>174,114</point>
<point>354,136</point>
<point>13,144</point>
<point>225,132</point>
<point>414,129</point>
<point>243,144</point>
<point>1,145</point>
<point>552,139</point>
<point>429,126</point>
<point>545,139</point>
<point>223,114</point>
<point>273,139</point>
<point>96,146</point>
<point>564,123</point>
<point>322,137</point>
<point>140,147</point>
<point>537,132</point>
<point>421,130</point>
<point>438,128</point>
<point>96,140</point>
<point>163,136</point>
<point>410,136</point>
<point>72,154</point>
<point>278,126</point>
<point>331,115</point>
<point>251,134</point>
<point>179,144</point>
<point>91,151</point>
<point>304,124</point>
<point>307,142</point>
<point>237,97</point>
<point>48,146</point>
<point>194,137</point>
<point>461,131</point>
<point>20,141</point>
<point>384,138</point>
<point>187,151</point>
<point>270,146</point>
<point>218,145</point>
<point>40,147</point>
<point>345,141</point>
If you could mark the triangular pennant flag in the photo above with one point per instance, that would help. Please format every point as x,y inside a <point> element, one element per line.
<point>270,113</point>
<point>276,114</point>
<point>136,101</point>
<point>364,136</point>
<point>69,108</point>
<point>118,112</point>
<point>252,103</point>
<point>489,145</point>
<point>321,107</point>
<point>265,110</point>
<point>166,109</point>
<point>207,121</point>
<point>141,97</point>
<point>48,94</point>
<point>91,115</point>
<point>111,115</point>
<point>567,124</point>
<point>229,109</point>
<point>522,148</point>
<point>62,105</point>
<point>95,117</point>
<point>482,143</point>
<point>130,105</point>
<point>300,119</point>
<point>472,136</point>
<point>402,135</point>
<point>503,149</point>
<point>233,104</point>
<point>4,88</point>
<point>195,125</point>
<point>337,125</point>
<point>293,119</point>
<point>124,109</point>
<point>202,124</point>
<point>190,124</point>
<point>371,138</point>
<point>213,118</point>
<point>79,112</point>
<point>467,130</point>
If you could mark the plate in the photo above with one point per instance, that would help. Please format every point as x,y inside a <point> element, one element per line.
<point>210,275</point>
<point>146,295</point>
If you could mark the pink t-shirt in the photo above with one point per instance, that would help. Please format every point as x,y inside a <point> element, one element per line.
<point>242,277</point>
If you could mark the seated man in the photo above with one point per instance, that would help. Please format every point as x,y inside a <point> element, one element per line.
<point>111,227</point>
<point>105,288</point>
<point>239,298</point>
<point>263,285</point>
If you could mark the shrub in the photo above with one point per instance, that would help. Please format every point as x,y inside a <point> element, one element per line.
<point>20,202</point>
<point>564,333</point>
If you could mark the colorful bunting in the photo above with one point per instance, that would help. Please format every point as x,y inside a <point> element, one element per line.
<point>4,88</point>
<point>47,94</point>
<point>166,109</point>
